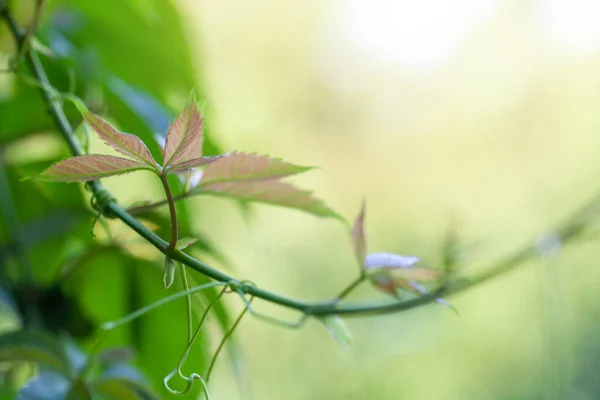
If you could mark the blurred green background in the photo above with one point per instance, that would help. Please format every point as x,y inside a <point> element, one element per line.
<point>479,116</point>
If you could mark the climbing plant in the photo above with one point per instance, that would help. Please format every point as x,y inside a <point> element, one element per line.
<point>69,343</point>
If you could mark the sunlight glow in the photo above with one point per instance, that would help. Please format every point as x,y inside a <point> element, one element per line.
<point>572,23</point>
<point>417,34</point>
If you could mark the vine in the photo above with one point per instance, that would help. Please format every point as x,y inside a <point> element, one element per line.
<point>244,175</point>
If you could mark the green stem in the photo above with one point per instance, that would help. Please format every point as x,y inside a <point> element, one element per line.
<point>188,300</point>
<point>565,233</point>
<point>272,320</point>
<point>349,288</point>
<point>224,340</point>
<point>107,326</point>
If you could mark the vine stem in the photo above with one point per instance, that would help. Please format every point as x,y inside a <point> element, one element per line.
<point>172,212</point>
<point>565,233</point>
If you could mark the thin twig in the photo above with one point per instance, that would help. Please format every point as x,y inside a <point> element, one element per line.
<point>31,31</point>
<point>226,336</point>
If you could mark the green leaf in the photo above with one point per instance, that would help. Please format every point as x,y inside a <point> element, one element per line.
<point>359,242</point>
<point>337,329</point>
<point>115,355</point>
<point>169,275</point>
<point>54,218</point>
<point>48,385</point>
<point>185,242</point>
<point>78,391</point>
<point>243,166</point>
<point>123,389</point>
<point>24,111</point>
<point>188,166</point>
<point>90,167</point>
<point>127,144</point>
<point>184,139</point>
<point>40,47</point>
<point>34,346</point>
<point>270,192</point>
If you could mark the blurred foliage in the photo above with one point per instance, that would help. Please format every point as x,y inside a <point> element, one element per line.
<point>504,135</point>
<point>131,61</point>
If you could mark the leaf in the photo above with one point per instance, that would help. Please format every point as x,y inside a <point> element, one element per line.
<point>115,355</point>
<point>90,167</point>
<point>184,139</point>
<point>33,346</point>
<point>188,166</point>
<point>40,47</point>
<point>388,260</point>
<point>359,242</point>
<point>397,276</point>
<point>127,144</point>
<point>243,166</point>
<point>48,385</point>
<point>122,388</point>
<point>390,272</point>
<point>78,391</point>
<point>185,242</point>
<point>169,275</point>
<point>270,192</point>
<point>337,329</point>
<point>78,360</point>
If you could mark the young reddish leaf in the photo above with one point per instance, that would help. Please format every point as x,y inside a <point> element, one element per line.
<point>127,144</point>
<point>392,273</point>
<point>189,165</point>
<point>90,167</point>
<point>243,166</point>
<point>271,192</point>
<point>184,139</point>
<point>359,242</point>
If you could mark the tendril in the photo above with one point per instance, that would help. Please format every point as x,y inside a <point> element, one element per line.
<point>177,370</point>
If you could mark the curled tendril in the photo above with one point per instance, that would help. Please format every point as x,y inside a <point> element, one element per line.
<point>189,385</point>
<point>177,370</point>
<point>276,321</point>
<point>99,202</point>
<point>226,336</point>
<point>101,199</point>
<point>234,285</point>
<point>230,287</point>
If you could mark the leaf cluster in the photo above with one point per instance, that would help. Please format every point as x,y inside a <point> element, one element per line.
<point>247,177</point>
